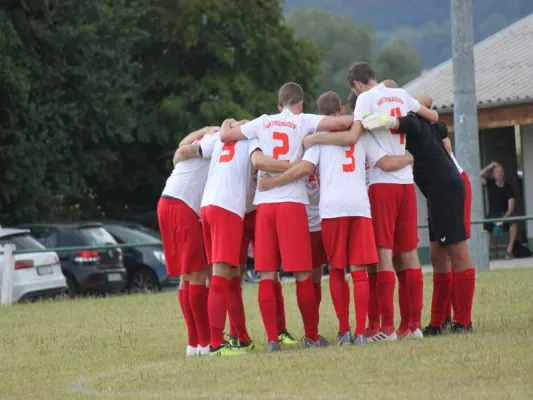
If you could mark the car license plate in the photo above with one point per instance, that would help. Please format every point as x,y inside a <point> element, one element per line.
<point>114,277</point>
<point>45,270</point>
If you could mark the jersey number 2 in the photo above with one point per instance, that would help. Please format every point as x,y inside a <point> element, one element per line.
<point>284,148</point>
<point>228,152</point>
<point>397,112</point>
<point>349,167</point>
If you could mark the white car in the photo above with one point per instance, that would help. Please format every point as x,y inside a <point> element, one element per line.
<point>36,274</point>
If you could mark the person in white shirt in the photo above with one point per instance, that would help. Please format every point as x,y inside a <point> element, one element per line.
<point>282,230</point>
<point>392,195</point>
<point>178,212</point>
<point>222,210</point>
<point>345,213</point>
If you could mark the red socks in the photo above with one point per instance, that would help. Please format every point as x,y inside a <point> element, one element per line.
<point>360,299</point>
<point>183,297</point>
<point>340,295</point>
<point>198,303</point>
<point>373,305</point>
<point>415,289</point>
<point>268,307</point>
<point>452,305</point>
<point>318,296</point>
<point>236,310</point>
<point>280,308</point>
<point>442,287</point>
<point>465,283</point>
<point>217,306</point>
<point>305,296</point>
<point>386,280</point>
<point>403,300</point>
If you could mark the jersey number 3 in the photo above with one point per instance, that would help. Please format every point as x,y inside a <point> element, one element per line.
<point>350,166</point>
<point>397,112</point>
<point>228,152</point>
<point>284,148</point>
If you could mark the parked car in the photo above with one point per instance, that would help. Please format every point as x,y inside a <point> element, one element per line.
<point>87,271</point>
<point>36,274</point>
<point>146,266</point>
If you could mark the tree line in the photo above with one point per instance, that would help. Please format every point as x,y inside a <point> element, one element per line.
<point>95,96</point>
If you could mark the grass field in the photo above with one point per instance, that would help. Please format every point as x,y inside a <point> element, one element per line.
<point>132,347</point>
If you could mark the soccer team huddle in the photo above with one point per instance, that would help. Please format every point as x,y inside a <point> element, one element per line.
<point>308,190</point>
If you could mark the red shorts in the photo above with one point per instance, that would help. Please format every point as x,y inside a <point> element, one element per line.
<point>282,237</point>
<point>468,204</point>
<point>222,235</point>
<point>318,252</point>
<point>394,215</point>
<point>248,236</point>
<point>349,241</point>
<point>181,234</point>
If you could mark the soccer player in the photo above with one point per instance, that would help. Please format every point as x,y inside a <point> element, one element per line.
<point>178,213</point>
<point>282,230</point>
<point>222,209</point>
<point>392,196</point>
<point>440,182</point>
<point>345,212</point>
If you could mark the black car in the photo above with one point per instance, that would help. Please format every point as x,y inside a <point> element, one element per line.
<point>146,266</point>
<point>86,271</point>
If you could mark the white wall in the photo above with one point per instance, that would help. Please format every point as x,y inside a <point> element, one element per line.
<point>526,132</point>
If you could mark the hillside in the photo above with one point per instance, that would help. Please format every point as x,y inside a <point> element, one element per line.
<point>424,24</point>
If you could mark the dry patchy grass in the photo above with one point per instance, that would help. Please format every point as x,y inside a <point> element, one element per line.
<point>132,347</point>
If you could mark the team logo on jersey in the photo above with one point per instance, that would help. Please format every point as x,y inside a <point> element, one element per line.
<point>314,179</point>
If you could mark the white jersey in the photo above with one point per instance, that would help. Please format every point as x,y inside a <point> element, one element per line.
<point>230,172</point>
<point>397,103</point>
<point>367,173</point>
<point>280,136</point>
<point>312,183</point>
<point>343,191</point>
<point>188,178</point>
<point>456,163</point>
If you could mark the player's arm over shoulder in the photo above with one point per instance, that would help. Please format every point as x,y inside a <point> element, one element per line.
<point>422,110</point>
<point>187,151</point>
<point>233,131</point>
<point>262,162</point>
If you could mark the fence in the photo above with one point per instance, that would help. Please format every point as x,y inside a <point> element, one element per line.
<point>10,251</point>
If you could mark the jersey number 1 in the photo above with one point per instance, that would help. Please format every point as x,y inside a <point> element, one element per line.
<point>397,112</point>
<point>228,152</point>
<point>349,167</point>
<point>284,148</point>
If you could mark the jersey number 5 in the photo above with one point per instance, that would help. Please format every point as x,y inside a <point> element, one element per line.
<point>284,148</point>
<point>397,112</point>
<point>349,167</point>
<point>228,152</point>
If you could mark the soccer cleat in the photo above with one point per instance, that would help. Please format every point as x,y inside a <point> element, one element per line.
<point>273,347</point>
<point>226,349</point>
<point>415,334</point>
<point>286,338</point>
<point>360,339</point>
<point>370,332</point>
<point>447,326</point>
<point>191,351</point>
<point>247,346</point>
<point>383,337</point>
<point>433,330</point>
<point>459,329</point>
<point>323,341</point>
<point>203,351</point>
<point>234,341</point>
<point>310,343</point>
<point>345,339</point>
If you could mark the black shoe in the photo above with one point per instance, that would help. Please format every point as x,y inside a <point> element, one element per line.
<point>447,326</point>
<point>458,328</point>
<point>432,331</point>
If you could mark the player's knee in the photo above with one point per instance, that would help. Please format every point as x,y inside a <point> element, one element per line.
<point>302,275</point>
<point>272,275</point>
<point>198,278</point>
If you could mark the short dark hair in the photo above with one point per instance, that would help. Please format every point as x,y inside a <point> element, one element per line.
<point>352,100</point>
<point>361,72</point>
<point>290,94</point>
<point>329,103</point>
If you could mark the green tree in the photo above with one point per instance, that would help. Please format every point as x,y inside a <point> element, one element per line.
<point>343,41</point>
